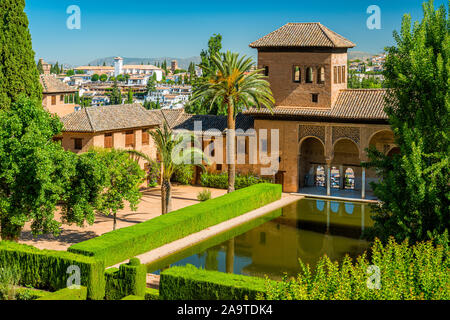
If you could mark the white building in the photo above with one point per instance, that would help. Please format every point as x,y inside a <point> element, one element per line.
<point>150,70</point>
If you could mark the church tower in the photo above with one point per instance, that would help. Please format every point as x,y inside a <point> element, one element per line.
<point>306,64</point>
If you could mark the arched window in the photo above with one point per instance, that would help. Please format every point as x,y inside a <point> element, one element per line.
<point>297,74</point>
<point>321,75</point>
<point>309,75</point>
<point>335,177</point>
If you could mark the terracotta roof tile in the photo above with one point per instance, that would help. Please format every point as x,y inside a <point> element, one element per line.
<point>52,85</point>
<point>109,118</point>
<point>351,104</point>
<point>303,35</point>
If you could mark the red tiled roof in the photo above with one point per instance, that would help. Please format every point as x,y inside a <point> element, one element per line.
<point>303,35</point>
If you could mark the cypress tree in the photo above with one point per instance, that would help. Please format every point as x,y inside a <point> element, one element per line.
<point>18,70</point>
<point>40,67</point>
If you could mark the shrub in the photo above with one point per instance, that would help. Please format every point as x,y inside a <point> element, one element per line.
<point>26,294</point>
<point>153,173</point>
<point>67,294</point>
<point>190,283</point>
<point>129,279</point>
<point>419,272</point>
<point>9,279</point>
<point>47,269</point>
<point>220,181</point>
<point>151,294</point>
<point>183,174</point>
<point>119,245</point>
<point>204,195</point>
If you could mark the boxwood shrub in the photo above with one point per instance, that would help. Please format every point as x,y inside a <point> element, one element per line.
<point>129,279</point>
<point>67,294</point>
<point>220,181</point>
<point>131,297</point>
<point>122,244</point>
<point>151,294</point>
<point>190,283</point>
<point>47,269</point>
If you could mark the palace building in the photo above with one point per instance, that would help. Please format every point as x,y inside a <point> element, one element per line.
<point>324,128</point>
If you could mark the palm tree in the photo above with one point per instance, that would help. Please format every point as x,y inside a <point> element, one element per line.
<point>235,87</point>
<point>172,156</point>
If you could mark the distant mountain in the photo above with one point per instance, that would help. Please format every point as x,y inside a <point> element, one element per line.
<point>361,55</point>
<point>183,63</point>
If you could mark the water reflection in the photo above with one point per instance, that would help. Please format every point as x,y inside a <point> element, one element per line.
<point>303,231</point>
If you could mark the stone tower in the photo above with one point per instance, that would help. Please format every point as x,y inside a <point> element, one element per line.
<point>118,66</point>
<point>306,64</point>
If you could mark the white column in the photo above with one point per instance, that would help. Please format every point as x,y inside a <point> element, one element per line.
<point>363,187</point>
<point>328,179</point>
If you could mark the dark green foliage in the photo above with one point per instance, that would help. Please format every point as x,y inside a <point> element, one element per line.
<point>95,78</point>
<point>36,174</point>
<point>183,174</point>
<point>129,279</point>
<point>119,245</point>
<point>46,269</point>
<point>220,181</point>
<point>19,75</point>
<point>116,94</point>
<point>151,294</point>
<point>190,283</point>
<point>67,294</point>
<point>414,189</point>
<point>419,272</point>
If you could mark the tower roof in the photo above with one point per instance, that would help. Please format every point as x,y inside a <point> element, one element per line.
<point>303,35</point>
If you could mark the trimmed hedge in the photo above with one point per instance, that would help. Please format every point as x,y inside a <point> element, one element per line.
<point>220,181</point>
<point>131,297</point>
<point>47,269</point>
<point>67,294</point>
<point>151,294</point>
<point>25,294</point>
<point>190,283</point>
<point>129,279</point>
<point>122,244</point>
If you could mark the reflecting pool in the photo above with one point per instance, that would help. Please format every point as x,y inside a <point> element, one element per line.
<point>273,244</point>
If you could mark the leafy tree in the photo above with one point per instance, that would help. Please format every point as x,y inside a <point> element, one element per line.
<point>167,144</point>
<point>232,83</point>
<point>70,73</point>
<point>36,174</point>
<point>18,71</point>
<point>103,78</point>
<point>125,177</point>
<point>116,95</point>
<point>95,78</point>
<point>414,189</point>
<point>151,84</point>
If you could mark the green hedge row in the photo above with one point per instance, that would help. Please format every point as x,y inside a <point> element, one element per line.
<point>24,294</point>
<point>47,269</point>
<point>220,181</point>
<point>129,279</point>
<point>151,294</point>
<point>67,294</point>
<point>131,297</point>
<point>190,283</point>
<point>122,244</point>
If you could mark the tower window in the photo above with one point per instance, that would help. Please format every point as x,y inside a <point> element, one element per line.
<point>343,74</point>
<point>309,75</point>
<point>315,98</point>
<point>335,75</point>
<point>321,75</point>
<point>78,144</point>
<point>266,71</point>
<point>297,74</point>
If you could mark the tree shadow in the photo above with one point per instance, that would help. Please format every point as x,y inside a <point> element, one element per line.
<point>67,236</point>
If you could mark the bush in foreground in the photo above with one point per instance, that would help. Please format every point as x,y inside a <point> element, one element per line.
<point>419,272</point>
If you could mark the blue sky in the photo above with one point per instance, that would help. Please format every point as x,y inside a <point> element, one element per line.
<point>148,28</point>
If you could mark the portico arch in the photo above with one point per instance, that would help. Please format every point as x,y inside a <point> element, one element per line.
<point>311,156</point>
<point>346,155</point>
